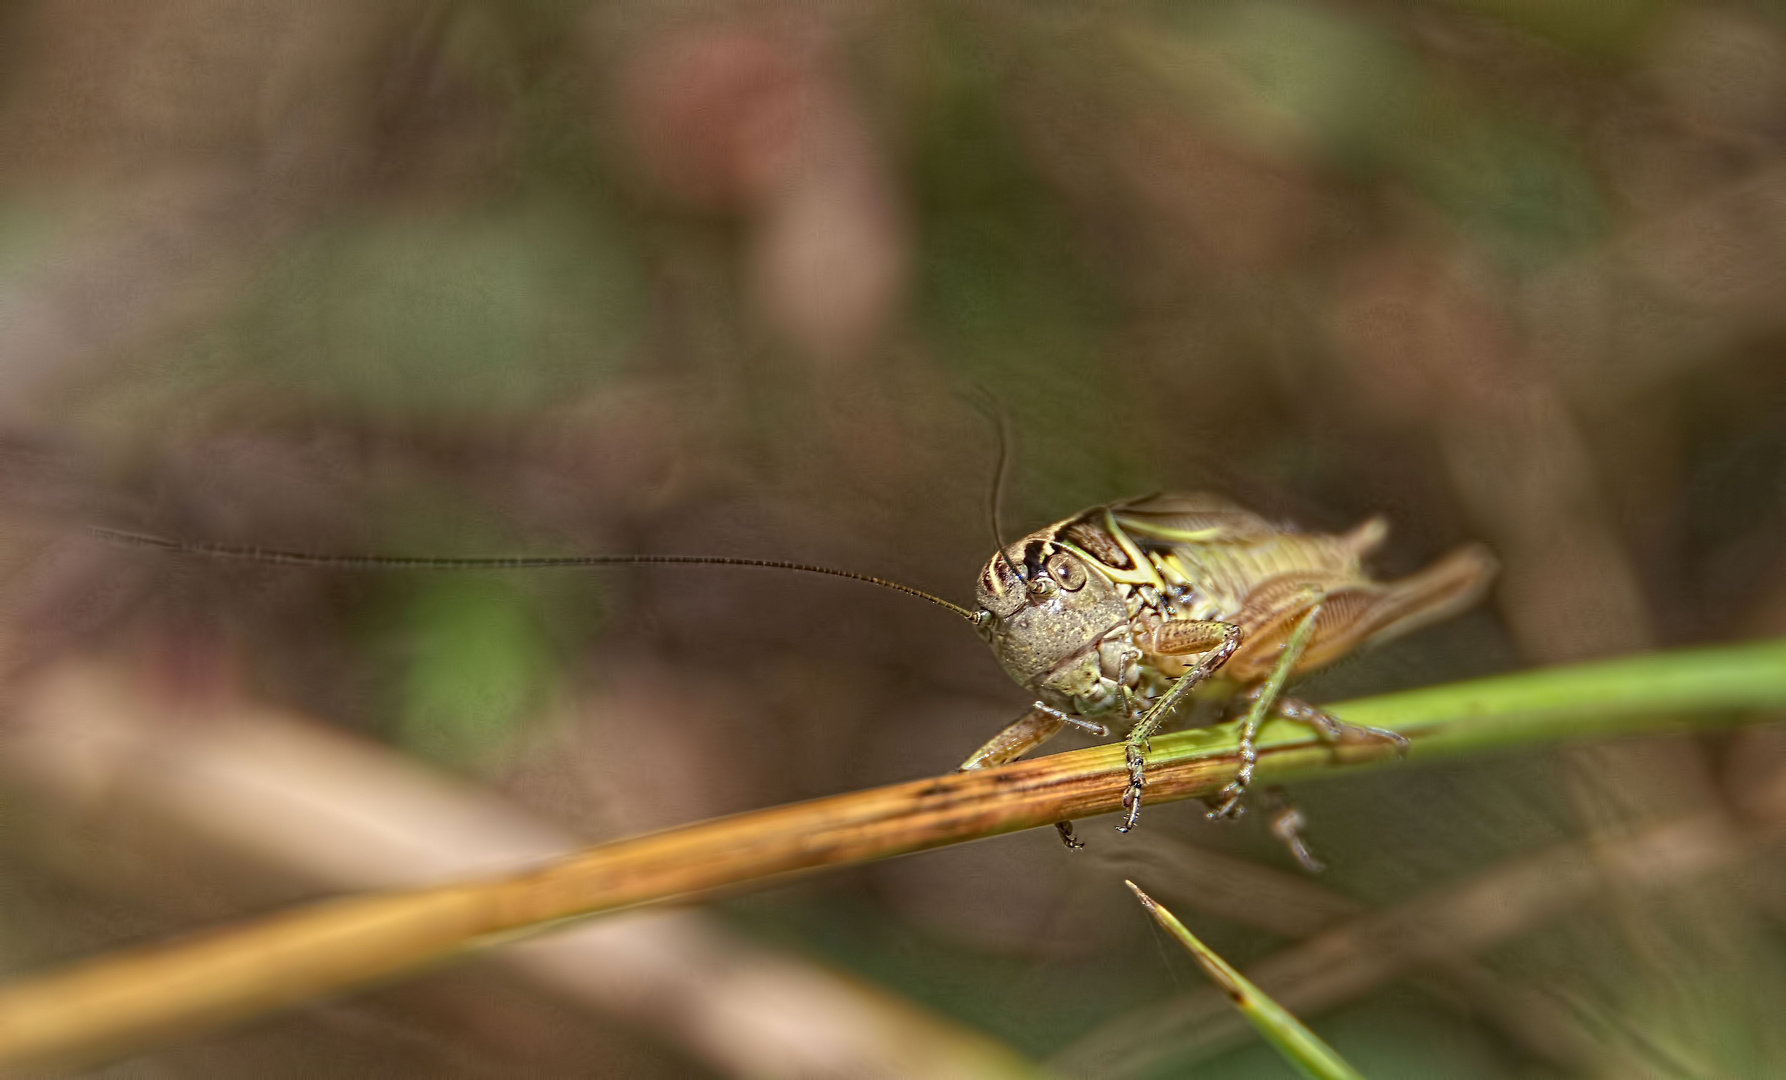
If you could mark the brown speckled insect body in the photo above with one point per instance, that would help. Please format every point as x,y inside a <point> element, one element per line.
<point>1122,610</point>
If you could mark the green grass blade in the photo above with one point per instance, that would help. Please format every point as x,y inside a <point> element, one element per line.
<point>1672,692</point>
<point>1301,1047</point>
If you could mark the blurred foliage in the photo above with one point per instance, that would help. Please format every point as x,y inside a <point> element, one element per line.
<point>479,666</point>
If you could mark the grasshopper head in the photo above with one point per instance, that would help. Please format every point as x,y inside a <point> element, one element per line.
<point>1044,610</point>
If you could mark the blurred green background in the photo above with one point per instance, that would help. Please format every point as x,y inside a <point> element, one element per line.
<point>456,277</point>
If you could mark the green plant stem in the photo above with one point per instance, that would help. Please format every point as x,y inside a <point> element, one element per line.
<point>1302,1048</point>
<point>116,1004</point>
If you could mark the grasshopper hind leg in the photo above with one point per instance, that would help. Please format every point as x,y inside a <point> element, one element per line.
<point>1260,705</point>
<point>1266,700</point>
<point>1285,820</point>
<point>1331,728</point>
<point>1286,824</point>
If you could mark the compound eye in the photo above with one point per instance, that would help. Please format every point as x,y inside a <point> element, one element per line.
<point>1001,590</point>
<point>1066,570</point>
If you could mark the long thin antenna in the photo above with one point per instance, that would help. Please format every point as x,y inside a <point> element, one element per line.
<point>280,557</point>
<point>996,498</point>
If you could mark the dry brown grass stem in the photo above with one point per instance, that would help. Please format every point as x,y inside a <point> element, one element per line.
<point>121,788</point>
<point>115,1004</point>
<point>118,1003</point>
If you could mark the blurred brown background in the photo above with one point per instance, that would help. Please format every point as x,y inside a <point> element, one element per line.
<point>547,277</point>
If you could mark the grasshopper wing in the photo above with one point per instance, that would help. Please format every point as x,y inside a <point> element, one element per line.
<point>1191,519</point>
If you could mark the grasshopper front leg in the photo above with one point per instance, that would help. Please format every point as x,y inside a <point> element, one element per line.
<point>1217,641</point>
<point>1024,734</point>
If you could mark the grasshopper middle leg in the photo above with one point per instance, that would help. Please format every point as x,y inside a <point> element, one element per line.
<point>1217,641</point>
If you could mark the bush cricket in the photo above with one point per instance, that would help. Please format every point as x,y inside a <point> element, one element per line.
<point>1120,611</point>
<point>1123,610</point>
